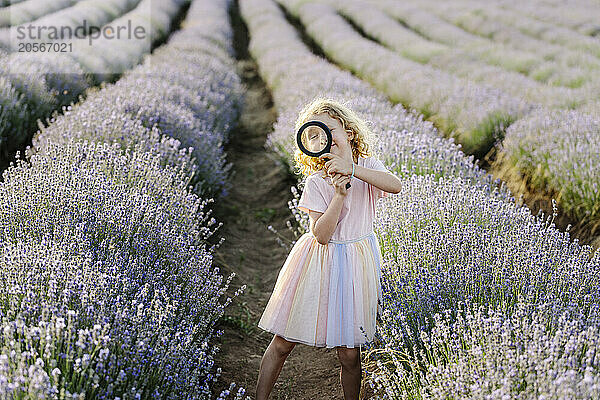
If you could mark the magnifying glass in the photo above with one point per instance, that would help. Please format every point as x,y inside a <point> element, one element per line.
<point>314,139</point>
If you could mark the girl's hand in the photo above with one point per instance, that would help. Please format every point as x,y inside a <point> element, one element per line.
<point>336,164</point>
<point>339,182</point>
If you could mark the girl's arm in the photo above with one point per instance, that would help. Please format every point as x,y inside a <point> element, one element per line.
<point>383,180</point>
<point>323,225</point>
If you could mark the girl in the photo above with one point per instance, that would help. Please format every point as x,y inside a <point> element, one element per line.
<point>329,287</point>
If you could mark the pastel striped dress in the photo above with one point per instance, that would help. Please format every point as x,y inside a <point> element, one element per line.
<point>324,294</point>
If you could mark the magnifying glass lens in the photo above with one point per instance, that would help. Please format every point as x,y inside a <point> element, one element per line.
<point>314,138</point>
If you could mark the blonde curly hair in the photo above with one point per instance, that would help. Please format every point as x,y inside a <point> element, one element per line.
<point>362,142</point>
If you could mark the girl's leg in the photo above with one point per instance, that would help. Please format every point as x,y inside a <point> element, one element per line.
<point>271,365</point>
<point>350,372</point>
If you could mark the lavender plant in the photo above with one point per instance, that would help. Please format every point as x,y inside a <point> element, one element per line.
<point>437,29</point>
<point>47,80</point>
<point>108,58</point>
<point>29,80</point>
<point>445,242</point>
<point>184,101</point>
<point>116,217</point>
<point>541,351</point>
<point>591,107</point>
<point>14,114</point>
<point>94,120</point>
<point>556,150</point>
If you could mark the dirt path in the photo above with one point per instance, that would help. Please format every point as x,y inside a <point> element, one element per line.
<point>258,198</point>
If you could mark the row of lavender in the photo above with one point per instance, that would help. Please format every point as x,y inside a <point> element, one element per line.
<point>575,16</point>
<point>481,298</point>
<point>480,60</point>
<point>32,85</point>
<point>49,14</point>
<point>19,13</point>
<point>107,288</point>
<point>540,144</point>
<point>540,140</point>
<point>475,113</point>
<point>460,25</point>
<point>511,17</point>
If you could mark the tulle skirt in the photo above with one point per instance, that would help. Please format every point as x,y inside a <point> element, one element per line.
<point>327,295</point>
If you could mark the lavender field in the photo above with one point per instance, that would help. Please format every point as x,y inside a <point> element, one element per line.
<point>148,196</point>
<point>95,304</point>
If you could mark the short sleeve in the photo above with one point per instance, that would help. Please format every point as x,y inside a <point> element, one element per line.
<point>375,163</point>
<point>312,197</point>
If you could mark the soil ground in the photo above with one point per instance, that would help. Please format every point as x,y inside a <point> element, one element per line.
<point>258,198</point>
